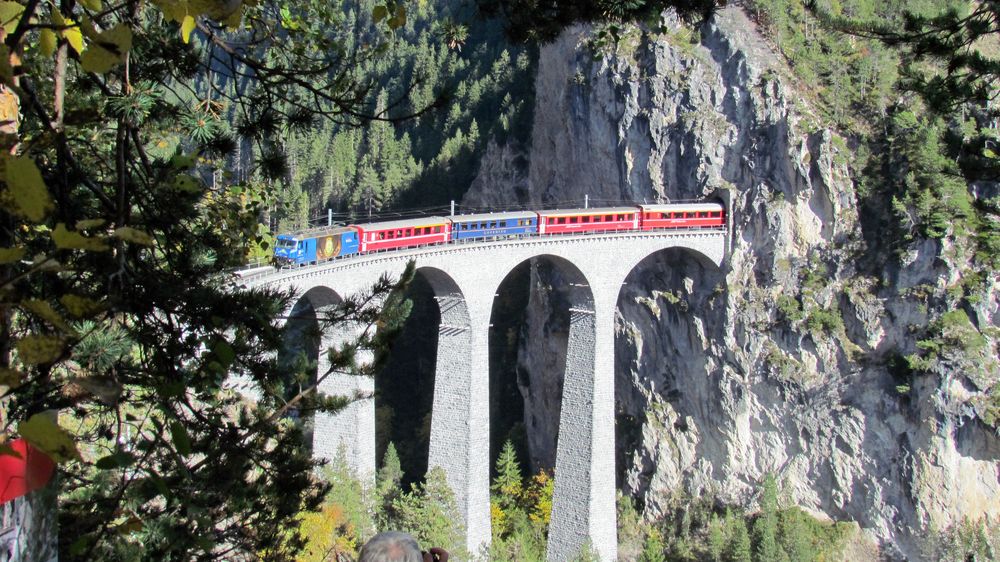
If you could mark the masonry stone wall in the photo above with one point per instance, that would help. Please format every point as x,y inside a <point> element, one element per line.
<point>465,278</point>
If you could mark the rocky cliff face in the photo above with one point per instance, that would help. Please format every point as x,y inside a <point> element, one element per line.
<point>789,359</point>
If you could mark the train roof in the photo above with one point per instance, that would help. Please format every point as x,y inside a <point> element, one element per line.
<point>683,207</point>
<point>320,231</point>
<point>421,221</point>
<point>494,216</point>
<point>590,211</point>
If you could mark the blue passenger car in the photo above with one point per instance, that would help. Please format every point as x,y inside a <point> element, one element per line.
<point>494,225</point>
<point>314,246</point>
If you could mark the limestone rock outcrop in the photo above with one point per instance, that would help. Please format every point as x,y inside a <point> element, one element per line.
<point>787,360</point>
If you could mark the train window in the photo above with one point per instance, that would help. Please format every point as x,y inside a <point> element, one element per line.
<point>562,220</point>
<point>585,219</point>
<point>437,229</point>
<point>608,218</point>
<point>703,214</point>
<point>572,220</point>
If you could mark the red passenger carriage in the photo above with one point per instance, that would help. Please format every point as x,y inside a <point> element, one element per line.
<point>692,215</point>
<point>403,234</point>
<point>569,221</point>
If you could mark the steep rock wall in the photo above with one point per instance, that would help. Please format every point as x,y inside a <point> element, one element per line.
<point>787,360</point>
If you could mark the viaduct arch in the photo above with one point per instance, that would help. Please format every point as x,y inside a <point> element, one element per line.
<point>465,278</point>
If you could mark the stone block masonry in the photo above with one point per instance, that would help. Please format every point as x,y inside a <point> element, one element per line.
<point>465,278</point>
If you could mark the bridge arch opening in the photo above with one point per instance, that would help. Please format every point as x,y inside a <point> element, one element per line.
<point>538,312</point>
<point>664,375</point>
<point>434,337</point>
<point>305,337</point>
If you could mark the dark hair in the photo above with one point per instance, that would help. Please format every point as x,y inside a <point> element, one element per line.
<point>391,546</point>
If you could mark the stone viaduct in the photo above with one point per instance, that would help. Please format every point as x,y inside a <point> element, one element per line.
<point>465,277</point>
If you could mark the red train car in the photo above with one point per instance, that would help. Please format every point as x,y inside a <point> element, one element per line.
<point>568,221</point>
<point>403,234</point>
<point>691,215</point>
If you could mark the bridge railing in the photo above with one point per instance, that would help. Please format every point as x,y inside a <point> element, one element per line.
<point>263,267</point>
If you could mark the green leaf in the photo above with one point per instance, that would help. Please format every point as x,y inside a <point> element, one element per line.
<point>80,307</point>
<point>44,310</point>
<point>10,378</point>
<point>398,20</point>
<point>47,42</point>
<point>120,459</point>
<point>379,13</point>
<point>108,50</point>
<point>70,240</point>
<point>92,5</point>
<point>87,224</point>
<point>224,352</point>
<point>181,440</point>
<point>38,349</point>
<point>10,15</point>
<point>42,431</point>
<point>133,235</point>
<point>27,188</point>
<point>11,255</point>
<point>105,389</point>
<point>190,184</point>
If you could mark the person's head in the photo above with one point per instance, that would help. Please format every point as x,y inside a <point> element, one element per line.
<point>391,546</point>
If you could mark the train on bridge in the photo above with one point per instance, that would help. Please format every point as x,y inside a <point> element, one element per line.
<point>323,244</point>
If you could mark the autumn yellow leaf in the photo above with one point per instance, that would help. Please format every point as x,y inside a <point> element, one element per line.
<point>42,431</point>
<point>38,349</point>
<point>69,30</point>
<point>187,26</point>
<point>133,235</point>
<point>27,188</point>
<point>47,42</point>
<point>11,255</point>
<point>70,240</point>
<point>80,307</point>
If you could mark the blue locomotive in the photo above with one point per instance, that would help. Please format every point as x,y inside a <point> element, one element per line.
<point>314,246</point>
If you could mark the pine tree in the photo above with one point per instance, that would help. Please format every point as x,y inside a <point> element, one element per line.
<point>796,539</point>
<point>508,484</point>
<point>766,525</point>
<point>430,514</point>
<point>653,548</point>
<point>739,542</point>
<point>716,538</point>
